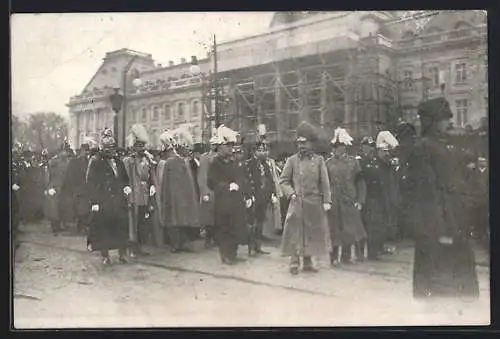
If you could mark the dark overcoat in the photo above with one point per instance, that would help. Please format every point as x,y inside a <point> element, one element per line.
<point>58,207</point>
<point>347,187</point>
<point>261,186</point>
<point>206,207</point>
<point>439,269</point>
<point>109,227</point>
<point>75,186</point>
<point>229,206</point>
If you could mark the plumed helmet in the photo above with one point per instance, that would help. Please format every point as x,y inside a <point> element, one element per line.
<point>138,136</point>
<point>386,141</point>
<point>341,136</point>
<point>226,135</point>
<point>306,132</point>
<point>107,140</point>
<point>167,139</point>
<point>183,136</point>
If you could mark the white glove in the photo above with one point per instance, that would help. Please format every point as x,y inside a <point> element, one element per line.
<point>249,203</point>
<point>274,200</point>
<point>127,190</point>
<point>152,190</point>
<point>95,208</point>
<point>358,205</point>
<point>327,206</point>
<point>206,198</point>
<point>233,187</point>
<point>15,187</point>
<point>51,191</point>
<point>446,240</point>
<point>293,196</point>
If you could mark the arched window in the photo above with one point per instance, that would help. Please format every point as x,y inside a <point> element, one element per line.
<point>167,112</point>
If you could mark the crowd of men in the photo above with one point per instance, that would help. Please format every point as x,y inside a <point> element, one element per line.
<point>351,205</point>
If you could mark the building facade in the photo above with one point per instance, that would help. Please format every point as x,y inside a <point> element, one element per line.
<point>361,70</point>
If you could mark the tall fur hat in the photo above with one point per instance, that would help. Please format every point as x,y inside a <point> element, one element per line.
<point>138,135</point>
<point>306,132</point>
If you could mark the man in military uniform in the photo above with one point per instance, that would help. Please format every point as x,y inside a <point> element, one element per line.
<point>224,179</point>
<point>139,171</point>
<point>207,195</point>
<point>263,193</point>
<point>305,181</point>
<point>109,191</point>
<point>478,213</point>
<point>57,207</point>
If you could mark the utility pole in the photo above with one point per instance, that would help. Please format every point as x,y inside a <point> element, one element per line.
<point>216,86</point>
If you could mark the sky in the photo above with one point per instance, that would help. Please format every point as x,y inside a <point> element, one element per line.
<point>53,56</point>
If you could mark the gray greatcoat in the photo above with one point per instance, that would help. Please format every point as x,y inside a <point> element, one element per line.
<point>306,230</point>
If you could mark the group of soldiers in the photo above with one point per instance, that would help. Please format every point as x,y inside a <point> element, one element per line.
<point>346,206</point>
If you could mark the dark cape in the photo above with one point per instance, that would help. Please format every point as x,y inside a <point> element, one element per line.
<point>109,226</point>
<point>75,187</point>
<point>439,269</point>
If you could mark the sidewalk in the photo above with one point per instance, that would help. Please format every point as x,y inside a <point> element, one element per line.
<point>362,280</point>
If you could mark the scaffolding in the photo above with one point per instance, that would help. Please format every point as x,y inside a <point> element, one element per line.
<point>346,88</point>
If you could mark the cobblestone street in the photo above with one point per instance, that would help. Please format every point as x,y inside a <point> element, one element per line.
<point>58,284</point>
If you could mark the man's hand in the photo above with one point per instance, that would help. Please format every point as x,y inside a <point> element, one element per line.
<point>358,205</point>
<point>274,199</point>
<point>293,196</point>
<point>127,190</point>
<point>152,190</point>
<point>95,208</point>
<point>249,203</point>
<point>51,191</point>
<point>233,187</point>
<point>15,187</point>
<point>327,206</point>
<point>206,198</point>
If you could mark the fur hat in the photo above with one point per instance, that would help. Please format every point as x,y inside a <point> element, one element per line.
<point>386,141</point>
<point>107,140</point>
<point>405,130</point>
<point>138,136</point>
<point>437,109</point>
<point>306,132</point>
<point>341,136</point>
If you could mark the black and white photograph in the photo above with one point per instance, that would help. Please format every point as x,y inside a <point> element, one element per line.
<point>249,169</point>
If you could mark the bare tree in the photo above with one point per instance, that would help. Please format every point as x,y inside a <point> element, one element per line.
<point>45,130</point>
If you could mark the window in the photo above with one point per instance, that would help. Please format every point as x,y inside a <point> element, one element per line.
<point>181,111</point>
<point>167,113</point>
<point>144,115</point>
<point>196,108</point>
<point>462,107</point>
<point>408,79</point>
<point>132,116</point>
<point>434,76</point>
<point>156,113</point>
<point>461,72</point>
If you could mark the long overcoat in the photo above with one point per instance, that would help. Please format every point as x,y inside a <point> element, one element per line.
<point>109,227</point>
<point>229,206</point>
<point>306,230</point>
<point>180,207</point>
<point>58,207</point>
<point>75,187</point>
<point>206,207</point>
<point>347,187</point>
<point>439,269</point>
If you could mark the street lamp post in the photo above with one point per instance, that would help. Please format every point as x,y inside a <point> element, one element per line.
<point>119,102</point>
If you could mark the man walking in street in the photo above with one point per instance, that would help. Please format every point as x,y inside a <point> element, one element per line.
<point>224,180</point>
<point>305,181</point>
<point>109,191</point>
<point>139,170</point>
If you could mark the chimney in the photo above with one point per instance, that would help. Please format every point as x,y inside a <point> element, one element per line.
<point>183,60</point>
<point>194,60</point>
<point>170,63</point>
